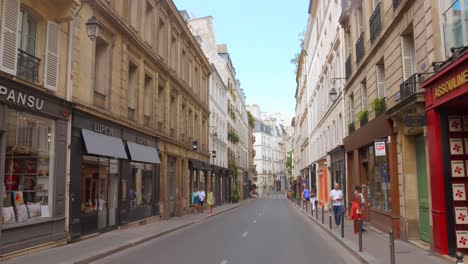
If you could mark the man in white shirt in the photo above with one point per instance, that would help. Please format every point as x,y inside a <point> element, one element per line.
<point>201,198</point>
<point>336,195</point>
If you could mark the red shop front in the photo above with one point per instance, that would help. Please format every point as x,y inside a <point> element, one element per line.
<point>447,136</point>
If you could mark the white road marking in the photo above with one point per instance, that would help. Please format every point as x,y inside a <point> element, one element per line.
<point>254,221</point>
<point>224,261</point>
<point>245,234</point>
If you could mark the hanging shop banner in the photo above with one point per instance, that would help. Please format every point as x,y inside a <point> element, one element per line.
<point>380,148</point>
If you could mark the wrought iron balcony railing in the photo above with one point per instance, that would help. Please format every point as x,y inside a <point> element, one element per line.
<point>28,67</point>
<point>375,23</point>
<point>360,48</point>
<point>409,86</point>
<point>348,67</point>
<point>396,3</point>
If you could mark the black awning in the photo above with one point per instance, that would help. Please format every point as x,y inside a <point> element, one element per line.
<point>143,153</point>
<point>102,145</point>
<point>207,166</point>
<point>196,164</point>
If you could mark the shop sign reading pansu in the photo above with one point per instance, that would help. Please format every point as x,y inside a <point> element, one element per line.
<point>21,98</point>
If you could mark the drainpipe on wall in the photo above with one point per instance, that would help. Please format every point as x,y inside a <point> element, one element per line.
<point>69,96</point>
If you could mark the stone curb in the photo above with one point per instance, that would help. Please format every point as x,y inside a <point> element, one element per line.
<point>363,257</point>
<point>136,242</point>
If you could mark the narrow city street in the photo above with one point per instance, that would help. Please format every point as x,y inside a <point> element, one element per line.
<point>267,230</point>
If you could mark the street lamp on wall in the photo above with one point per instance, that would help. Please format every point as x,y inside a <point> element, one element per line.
<point>92,27</point>
<point>333,94</point>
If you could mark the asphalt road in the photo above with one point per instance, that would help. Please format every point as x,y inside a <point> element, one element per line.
<point>267,230</point>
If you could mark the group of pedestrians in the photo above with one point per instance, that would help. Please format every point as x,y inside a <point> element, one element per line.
<point>198,200</point>
<point>356,212</point>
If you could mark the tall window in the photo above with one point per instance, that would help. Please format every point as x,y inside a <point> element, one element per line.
<point>190,125</point>
<point>190,74</point>
<point>351,108</point>
<point>381,93</point>
<point>101,72</point>
<point>408,56</point>
<point>173,52</point>
<point>27,33</point>
<point>29,179</point>
<point>134,16</point>
<point>173,115</point>
<point>360,19</point>
<point>184,66</point>
<point>162,39</point>
<point>363,96</point>
<point>132,89</point>
<point>161,105</point>
<point>147,100</point>
<point>149,21</point>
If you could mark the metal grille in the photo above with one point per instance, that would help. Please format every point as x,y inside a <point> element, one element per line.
<point>28,67</point>
<point>375,23</point>
<point>360,48</point>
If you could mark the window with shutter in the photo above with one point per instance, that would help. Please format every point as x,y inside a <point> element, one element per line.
<point>9,36</point>
<point>364,96</point>
<point>381,81</point>
<point>408,56</point>
<point>51,67</point>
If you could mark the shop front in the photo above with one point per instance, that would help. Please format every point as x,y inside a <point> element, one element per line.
<point>199,176</point>
<point>33,129</point>
<point>447,131</point>
<point>114,176</point>
<point>372,162</point>
<point>324,185</point>
<point>337,168</point>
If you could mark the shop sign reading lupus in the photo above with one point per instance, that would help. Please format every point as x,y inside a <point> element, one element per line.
<point>21,98</point>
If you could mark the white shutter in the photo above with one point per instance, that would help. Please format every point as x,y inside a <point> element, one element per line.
<point>380,80</point>
<point>407,55</point>
<point>9,36</point>
<point>51,66</point>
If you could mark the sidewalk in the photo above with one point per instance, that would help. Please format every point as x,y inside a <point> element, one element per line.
<point>88,250</point>
<point>376,246</point>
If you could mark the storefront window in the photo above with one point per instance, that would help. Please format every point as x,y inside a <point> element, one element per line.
<point>202,180</point>
<point>28,168</point>
<point>99,192</point>
<point>141,186</point>
<point>381,191</point>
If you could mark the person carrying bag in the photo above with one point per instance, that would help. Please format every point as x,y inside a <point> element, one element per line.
<point>356,211</point>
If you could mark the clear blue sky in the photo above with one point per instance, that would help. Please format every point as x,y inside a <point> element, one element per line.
<point>262,37</point>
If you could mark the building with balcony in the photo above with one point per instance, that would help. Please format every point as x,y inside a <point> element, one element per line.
<point>35,43</point>
<point>139,138</point>
<point>446,99</point>
<point>203,29</point>
<point>324,71</point>
<point>271,147</point>
<point>389,47</point>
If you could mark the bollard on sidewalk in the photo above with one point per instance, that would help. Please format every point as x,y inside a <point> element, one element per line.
<point>392,247</point>
<point>330,219</point>
<point>342,223</point>
<point>459,257</point>
<point>360,235</point>
<point>323,215</point>
<point>316,210</point>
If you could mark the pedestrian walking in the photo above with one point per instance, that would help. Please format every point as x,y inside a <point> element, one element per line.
<point>195,198</point>
<point>356,211</point>
<point>201,198</point>
<point>210,201</point>
<point>336,195</point>
<point>306,196</point>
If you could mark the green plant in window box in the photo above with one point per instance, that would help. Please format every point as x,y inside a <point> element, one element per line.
<point>378,105</point>
<point>351,127</point>
<point>363,117</point>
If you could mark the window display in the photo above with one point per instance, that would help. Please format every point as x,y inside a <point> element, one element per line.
<point>141,187</point>
<point>27,167</point>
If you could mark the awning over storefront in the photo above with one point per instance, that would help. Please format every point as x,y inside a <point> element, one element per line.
<point>102,145</point>
<point>196,164</point>
<point>207,166</point>
<point>143,153</point>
